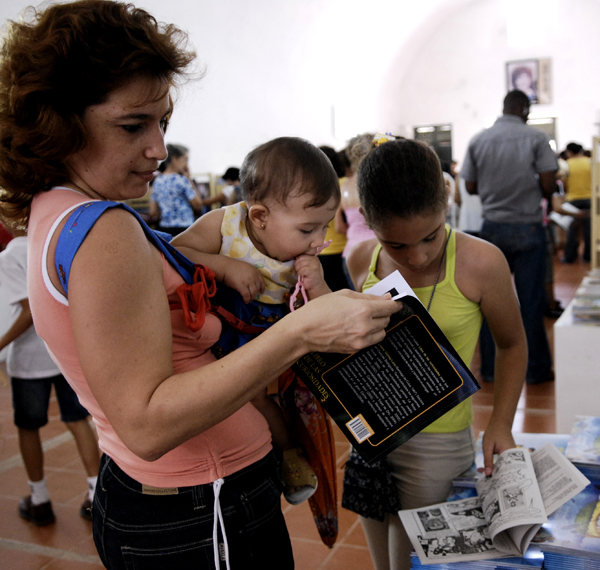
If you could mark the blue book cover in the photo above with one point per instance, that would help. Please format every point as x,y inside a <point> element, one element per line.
<point>584,443</point>
<point>573,528</point>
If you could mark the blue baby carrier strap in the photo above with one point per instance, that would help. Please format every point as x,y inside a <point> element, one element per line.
<point>81,221</point>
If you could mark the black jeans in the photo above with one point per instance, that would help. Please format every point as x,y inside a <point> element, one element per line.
<point>135,530</point>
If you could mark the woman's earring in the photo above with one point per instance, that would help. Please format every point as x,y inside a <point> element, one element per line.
<point>262,226</point>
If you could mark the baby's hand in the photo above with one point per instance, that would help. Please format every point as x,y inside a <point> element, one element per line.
<point>309,268</point>
<point>244,278</point>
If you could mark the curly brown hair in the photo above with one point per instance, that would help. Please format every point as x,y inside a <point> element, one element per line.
<point>56,63</point>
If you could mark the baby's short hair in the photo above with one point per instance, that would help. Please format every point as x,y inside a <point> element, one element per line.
<point>288,166</point>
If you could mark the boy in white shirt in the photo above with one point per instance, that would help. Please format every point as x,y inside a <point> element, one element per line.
<point>33,373</point>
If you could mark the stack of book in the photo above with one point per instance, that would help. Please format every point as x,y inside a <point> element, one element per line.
<point>583,449</point>
<point>571,538</point>
<point>586,305</point>
<point>533,559</point>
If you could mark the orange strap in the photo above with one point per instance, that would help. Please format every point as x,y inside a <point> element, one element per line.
<point>195,298</point>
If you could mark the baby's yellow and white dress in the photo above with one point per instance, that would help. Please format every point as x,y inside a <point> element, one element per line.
<point>279,277</point>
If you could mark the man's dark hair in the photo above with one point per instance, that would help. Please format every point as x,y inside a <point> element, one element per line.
<point>574,147</point>
<point>232,174</point>
<point>514,102</point>
<point>334,157</point>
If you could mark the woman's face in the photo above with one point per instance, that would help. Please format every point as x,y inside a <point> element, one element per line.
<point>125,142</point>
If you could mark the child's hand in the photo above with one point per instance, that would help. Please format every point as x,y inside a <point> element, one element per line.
<point>310,269</point>
<point>244,278</point>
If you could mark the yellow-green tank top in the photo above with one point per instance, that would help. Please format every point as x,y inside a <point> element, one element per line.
<point>459,319</point>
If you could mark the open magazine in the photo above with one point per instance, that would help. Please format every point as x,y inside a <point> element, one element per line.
<point>511,506</point>
<point>383,395</point>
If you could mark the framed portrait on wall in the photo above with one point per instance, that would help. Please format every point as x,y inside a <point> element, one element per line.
<point>533,77</point>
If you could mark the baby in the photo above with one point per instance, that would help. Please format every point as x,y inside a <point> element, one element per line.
<point>261,248</point>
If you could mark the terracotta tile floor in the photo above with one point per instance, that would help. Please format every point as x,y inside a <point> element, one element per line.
<point>68,544</point>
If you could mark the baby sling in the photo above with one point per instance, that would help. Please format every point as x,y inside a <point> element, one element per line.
<point>303,414</point>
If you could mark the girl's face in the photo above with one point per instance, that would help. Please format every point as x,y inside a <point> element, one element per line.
<point>284,232</point>
<point>125,142</point>
<point>416,243</point>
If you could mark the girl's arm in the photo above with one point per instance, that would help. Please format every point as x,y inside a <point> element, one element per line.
<point>122,328</point>
<point>201,243</point>
<point>486,269</point>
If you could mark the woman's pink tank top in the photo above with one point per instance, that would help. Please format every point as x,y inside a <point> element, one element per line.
<point>231,445</point>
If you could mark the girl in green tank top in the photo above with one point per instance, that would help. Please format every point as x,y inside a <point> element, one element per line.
<point>460,279</point>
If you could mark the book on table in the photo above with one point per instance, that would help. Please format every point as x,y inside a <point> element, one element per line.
<point>383,395</point>
<point>502,520</point>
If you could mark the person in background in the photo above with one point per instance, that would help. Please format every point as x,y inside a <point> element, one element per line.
<point>349,219</point>
<point>331,256</point>
<point>511,180</point>
<point>33,374</point>
<point>173,196</point>
<point>459,279</point>
<point>230,193</point>
<point>5,237</point>
<point>578,193</point>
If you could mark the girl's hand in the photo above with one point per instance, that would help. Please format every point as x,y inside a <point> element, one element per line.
<point>244,278</point>
<point>310,270</point>
<point>496,439</point>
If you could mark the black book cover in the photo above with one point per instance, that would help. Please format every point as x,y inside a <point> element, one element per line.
<point>383,395</point>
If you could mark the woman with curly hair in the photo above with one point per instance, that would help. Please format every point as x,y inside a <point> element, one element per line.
<point>187,476</point>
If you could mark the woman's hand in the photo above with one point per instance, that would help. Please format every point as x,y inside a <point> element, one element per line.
<point>344,321</point>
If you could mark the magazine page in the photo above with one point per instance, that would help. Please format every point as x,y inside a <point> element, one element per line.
<point>558,479</point>
<point>450,532</point>
<point>512,502</point>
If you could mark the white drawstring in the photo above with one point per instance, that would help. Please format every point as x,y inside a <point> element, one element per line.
<point>218,516</point>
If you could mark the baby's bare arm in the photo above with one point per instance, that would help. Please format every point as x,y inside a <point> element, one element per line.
<point>201,243</point>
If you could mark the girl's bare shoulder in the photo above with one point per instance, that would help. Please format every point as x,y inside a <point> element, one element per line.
<point>478,263</point>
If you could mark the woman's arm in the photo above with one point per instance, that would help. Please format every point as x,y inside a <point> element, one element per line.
<point>121,323</point>
<point>484,273</point>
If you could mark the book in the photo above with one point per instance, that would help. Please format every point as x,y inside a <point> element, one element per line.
<point>583,448</point>
<point>531,441</point>
<point>589,287</point>
<point>561,220</point>
<point>510,507</point>
<point>383,395</point>
<point>571,537</point>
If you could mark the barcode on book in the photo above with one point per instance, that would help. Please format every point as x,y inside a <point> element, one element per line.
<point>360,429</point>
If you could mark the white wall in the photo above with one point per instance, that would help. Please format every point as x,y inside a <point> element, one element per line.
<point>279,67</point>
<point>454,71</point>
<point>329,69</point>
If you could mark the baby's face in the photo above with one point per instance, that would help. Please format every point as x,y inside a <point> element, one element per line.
<point>293,229</point>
